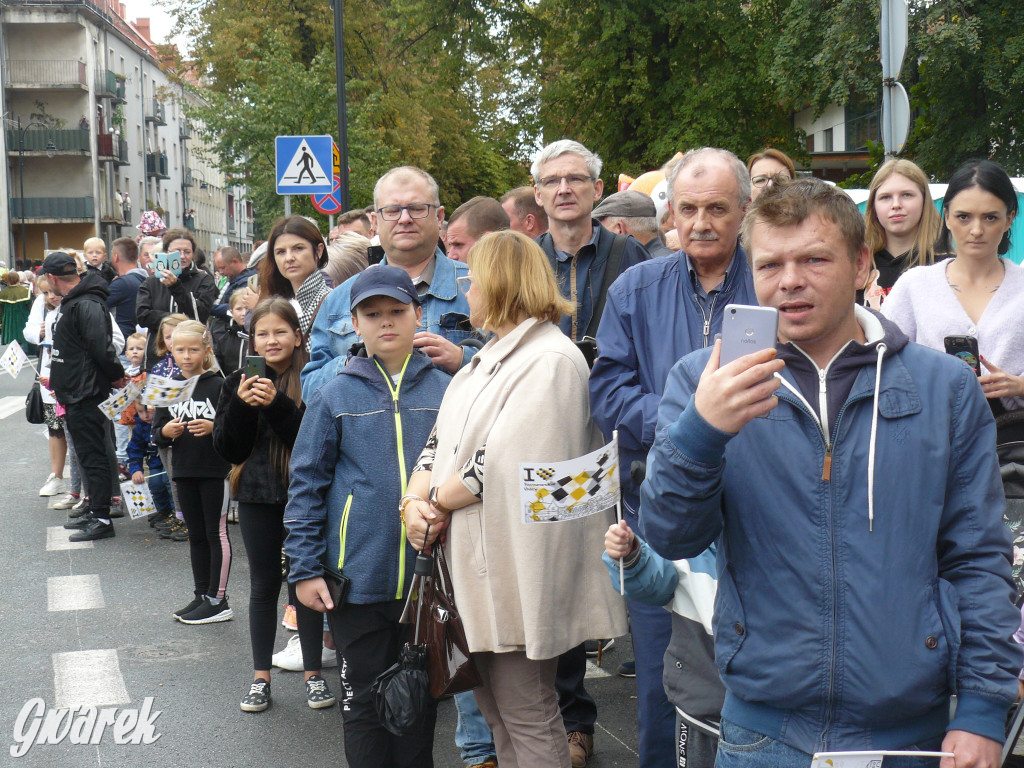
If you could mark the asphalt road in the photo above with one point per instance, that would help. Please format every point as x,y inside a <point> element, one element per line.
<point>92,626</point>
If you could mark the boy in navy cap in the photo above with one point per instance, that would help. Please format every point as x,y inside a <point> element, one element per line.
<point>359,440</point>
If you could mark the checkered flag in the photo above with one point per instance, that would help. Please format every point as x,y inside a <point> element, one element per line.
<point>570,489</point>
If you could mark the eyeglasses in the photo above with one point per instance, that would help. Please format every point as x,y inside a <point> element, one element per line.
<point>416,211</point>
<point>573,180</point>
<point>760,181</point>
<point>465,283</point>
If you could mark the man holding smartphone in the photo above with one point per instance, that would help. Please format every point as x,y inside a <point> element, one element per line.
<point>851,481</point>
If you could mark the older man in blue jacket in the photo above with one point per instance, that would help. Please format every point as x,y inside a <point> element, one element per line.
<point>851,480</point>
<point>656,313</point>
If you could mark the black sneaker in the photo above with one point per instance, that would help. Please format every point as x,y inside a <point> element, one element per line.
<point>93,530</point>
<point>208,613</point>
<point>82,521</point>
<point>318,695</point>
<point>258,697</point>
<point>176,525</point>
<point>158,517</point>
<point>196,602</point>
<point>593,646</point>
<point>180,533</point>
<point>81,508</point>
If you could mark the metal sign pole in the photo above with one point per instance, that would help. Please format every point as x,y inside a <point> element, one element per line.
<point>287,205</point>
<point>339,64</point>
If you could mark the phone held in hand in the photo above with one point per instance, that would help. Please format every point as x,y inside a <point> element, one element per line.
<point>255,367</point>
<point>966,348</point>
<point>747,329</point>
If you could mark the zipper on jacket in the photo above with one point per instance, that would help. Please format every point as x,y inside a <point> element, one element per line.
<point>826,468</point>
<point>394,389</point>
<point>343,532</point>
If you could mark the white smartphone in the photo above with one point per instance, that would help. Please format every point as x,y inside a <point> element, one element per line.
<point>748,329</point>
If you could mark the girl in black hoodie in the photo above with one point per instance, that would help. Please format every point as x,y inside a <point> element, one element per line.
<point>198,474</point>
<point>255,428</point>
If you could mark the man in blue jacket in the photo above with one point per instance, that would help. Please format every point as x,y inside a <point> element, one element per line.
<point>408,217</point>
<point>656,313</point>
<point>851,480</point>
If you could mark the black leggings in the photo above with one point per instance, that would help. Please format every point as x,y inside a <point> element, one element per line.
<point>263,534</point>
<point>202,506</point>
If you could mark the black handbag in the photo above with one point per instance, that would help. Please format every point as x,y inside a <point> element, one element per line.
<point>34,405</point>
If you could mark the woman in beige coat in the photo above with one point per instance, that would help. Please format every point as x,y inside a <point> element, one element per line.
<point>526,592</point>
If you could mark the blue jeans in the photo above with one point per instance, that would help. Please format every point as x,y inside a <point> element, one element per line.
<point>741,747</point>
<point>160,488</point>
<point>472,735</point>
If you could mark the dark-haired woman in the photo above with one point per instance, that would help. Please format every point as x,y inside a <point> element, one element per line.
<point>255,428</point>
<point>296,253</point>
<point>978,294</point>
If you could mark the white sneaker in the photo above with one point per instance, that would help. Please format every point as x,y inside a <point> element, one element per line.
<point>290,657</point>
<point>53,486</point>
<point>67,502</point>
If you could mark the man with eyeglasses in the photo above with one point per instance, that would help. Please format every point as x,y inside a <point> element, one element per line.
<point>586,257</point>
<point>408,216</point>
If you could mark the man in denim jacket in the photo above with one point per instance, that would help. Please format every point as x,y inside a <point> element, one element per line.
<point>851,480</point>
<point>408,218</point>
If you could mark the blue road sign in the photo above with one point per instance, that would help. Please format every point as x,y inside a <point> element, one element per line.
<point>304,164</point>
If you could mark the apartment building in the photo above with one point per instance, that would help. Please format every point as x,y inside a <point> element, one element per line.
<point>95,133</point>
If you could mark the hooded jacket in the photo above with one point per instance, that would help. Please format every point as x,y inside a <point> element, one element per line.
<point>124,290</point>
<point>155,301</point>
<point>359,440</point>
<point>864,570</point>
<point>246,433</point>
<point>83,360</point>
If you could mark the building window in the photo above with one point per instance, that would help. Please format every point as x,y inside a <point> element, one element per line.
<point>827,134</point>
<point>810,142</point>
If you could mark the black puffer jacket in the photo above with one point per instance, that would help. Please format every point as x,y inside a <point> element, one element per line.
<point>84,362</point>
<point>155,301</point>
<point>242,432</point>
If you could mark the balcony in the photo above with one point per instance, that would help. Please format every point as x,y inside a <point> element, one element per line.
<point>156,113</point>
<point>121,158</point>
<point>156,165</point>
<point>231,223</point>
<point>39,141</point>
<point>56,75</point>
<point>110,85</point>
<point>111,211</point>
<point>109,146</point>
<point>185,130</point>
<point>54,210</point>
<point>189,222</point>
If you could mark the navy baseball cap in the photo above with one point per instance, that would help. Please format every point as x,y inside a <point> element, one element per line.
<point>383,280</point>
<point>59,264</point>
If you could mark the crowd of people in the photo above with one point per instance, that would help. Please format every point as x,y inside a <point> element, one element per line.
<point>814,546</point>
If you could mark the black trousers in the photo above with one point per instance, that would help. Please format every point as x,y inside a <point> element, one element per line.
<point>369,638</point>
<point>263,533</point>
<point>91,434</point>
<point>579,710</point>
<point>202,506</point>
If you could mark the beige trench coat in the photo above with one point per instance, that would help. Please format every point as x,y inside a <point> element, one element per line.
<point>538,588</point>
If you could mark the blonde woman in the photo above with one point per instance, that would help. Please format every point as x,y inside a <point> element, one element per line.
<point>526,593</point>
<point>902,225</point>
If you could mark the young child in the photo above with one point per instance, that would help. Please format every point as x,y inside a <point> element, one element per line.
<point>142,451</point>
<point>135,351</point>
<point>687,588</point>
<point>199,474</point>
<point>350,465</point>
<point>164,367</point>
<point>255,428</point>
<point>233,346</point>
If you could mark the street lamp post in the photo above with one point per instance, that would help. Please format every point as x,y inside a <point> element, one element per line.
<point>50,150</point>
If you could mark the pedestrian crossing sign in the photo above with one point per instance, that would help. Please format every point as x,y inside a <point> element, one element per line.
<point>304,164</point>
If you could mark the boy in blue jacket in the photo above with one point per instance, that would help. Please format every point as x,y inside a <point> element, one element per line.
<point>360,437</point>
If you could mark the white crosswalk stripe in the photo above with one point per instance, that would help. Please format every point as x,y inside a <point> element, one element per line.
<point>57,539</point>
<point>74,593</point>
<point>11,405</point>
<point>88,678</point>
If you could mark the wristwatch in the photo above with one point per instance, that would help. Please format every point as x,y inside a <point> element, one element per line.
<point>437,504</point>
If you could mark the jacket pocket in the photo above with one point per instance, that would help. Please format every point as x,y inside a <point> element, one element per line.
<point>455,326</point>
<point>475,530</point>
<point>729,622</point>
<point>341,335</point>
<point>949,614</point>
<point>343,533</point>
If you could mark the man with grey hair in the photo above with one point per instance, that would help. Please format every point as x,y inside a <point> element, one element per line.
<point>655,314</point>
<point>585,256</point>
<point>631,212</point>
<point>407,215</point>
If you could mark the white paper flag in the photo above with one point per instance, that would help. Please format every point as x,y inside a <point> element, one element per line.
<point>163,392</point>
<point>116,404</point>
<point>866,759</point>
<point>13,359</point>
<point>137,499</point>
<point>566,490</point>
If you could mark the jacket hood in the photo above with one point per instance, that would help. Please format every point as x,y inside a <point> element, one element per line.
<point>877,330</point>
<point>366,367</point>
<point>92,282</point>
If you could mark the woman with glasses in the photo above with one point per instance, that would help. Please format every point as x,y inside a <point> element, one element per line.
<point>764,166</point>
<point>296,253</point>
<point>902,225</point>
<point>526,592</point>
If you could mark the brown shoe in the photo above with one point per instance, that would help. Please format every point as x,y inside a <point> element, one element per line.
<point>490,762</point>
<point>581,746</point>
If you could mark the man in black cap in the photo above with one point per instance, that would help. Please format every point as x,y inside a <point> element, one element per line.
<point>631,212</point>
<point>83,369</point>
